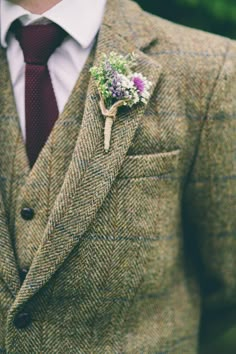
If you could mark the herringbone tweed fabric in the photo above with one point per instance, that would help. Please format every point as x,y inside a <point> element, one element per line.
<point>127,250</point>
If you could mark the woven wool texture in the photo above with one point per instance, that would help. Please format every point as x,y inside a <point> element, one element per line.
<point>127,249</point>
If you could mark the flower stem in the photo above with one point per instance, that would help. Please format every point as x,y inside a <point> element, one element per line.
<point>107,133</point>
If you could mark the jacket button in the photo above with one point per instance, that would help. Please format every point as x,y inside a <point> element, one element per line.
<point>27,213</point>
<point>22,320</point>
<point>23,272</point>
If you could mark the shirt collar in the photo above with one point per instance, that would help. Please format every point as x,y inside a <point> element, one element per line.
<point>80,19</point>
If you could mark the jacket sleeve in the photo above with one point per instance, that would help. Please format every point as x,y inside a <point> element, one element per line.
<point>209,205</point>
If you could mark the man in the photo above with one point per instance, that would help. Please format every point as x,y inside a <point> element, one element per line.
<point>121,251</point>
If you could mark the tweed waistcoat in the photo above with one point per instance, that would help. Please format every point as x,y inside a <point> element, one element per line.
<point>36,188</point>
<point>132,251</point>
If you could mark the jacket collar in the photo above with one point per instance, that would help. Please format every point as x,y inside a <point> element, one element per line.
<point>127,20</point>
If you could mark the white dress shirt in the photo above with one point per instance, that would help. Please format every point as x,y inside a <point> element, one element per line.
<point>81,19</point>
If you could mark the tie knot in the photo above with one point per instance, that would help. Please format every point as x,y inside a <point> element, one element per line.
<point>38,42</point>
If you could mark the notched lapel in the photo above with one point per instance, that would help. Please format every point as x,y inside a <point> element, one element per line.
<point>91,172</point>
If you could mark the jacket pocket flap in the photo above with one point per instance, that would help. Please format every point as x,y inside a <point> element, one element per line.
<point>149,165</point>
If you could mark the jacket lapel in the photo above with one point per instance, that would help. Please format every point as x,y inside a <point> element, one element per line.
<point>91,171</point>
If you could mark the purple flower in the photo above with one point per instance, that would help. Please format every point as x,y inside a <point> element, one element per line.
<point>108,69</point>
<point>116,88</point>
<point>114,82</point>
<point>139,84</point>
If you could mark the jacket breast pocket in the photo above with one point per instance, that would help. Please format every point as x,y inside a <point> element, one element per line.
<point>147,195</point>
<point>151,165</point>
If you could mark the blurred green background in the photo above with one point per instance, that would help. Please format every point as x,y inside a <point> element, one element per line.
<point>217,16</point>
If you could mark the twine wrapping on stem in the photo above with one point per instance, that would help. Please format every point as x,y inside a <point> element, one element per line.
<point>110,116</point>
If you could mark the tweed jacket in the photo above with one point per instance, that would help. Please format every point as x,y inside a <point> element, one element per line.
<point>131,251</point>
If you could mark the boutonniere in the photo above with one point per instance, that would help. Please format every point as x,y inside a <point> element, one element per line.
<point>118,85</point>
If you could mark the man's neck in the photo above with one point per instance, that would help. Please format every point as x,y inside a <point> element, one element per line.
<point>36,6</point>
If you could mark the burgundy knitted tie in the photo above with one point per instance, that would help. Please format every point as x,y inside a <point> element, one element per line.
<point>38,42</point>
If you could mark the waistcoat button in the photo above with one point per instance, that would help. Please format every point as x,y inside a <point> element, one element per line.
<point>22,320</point>
<point>27,213</point>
